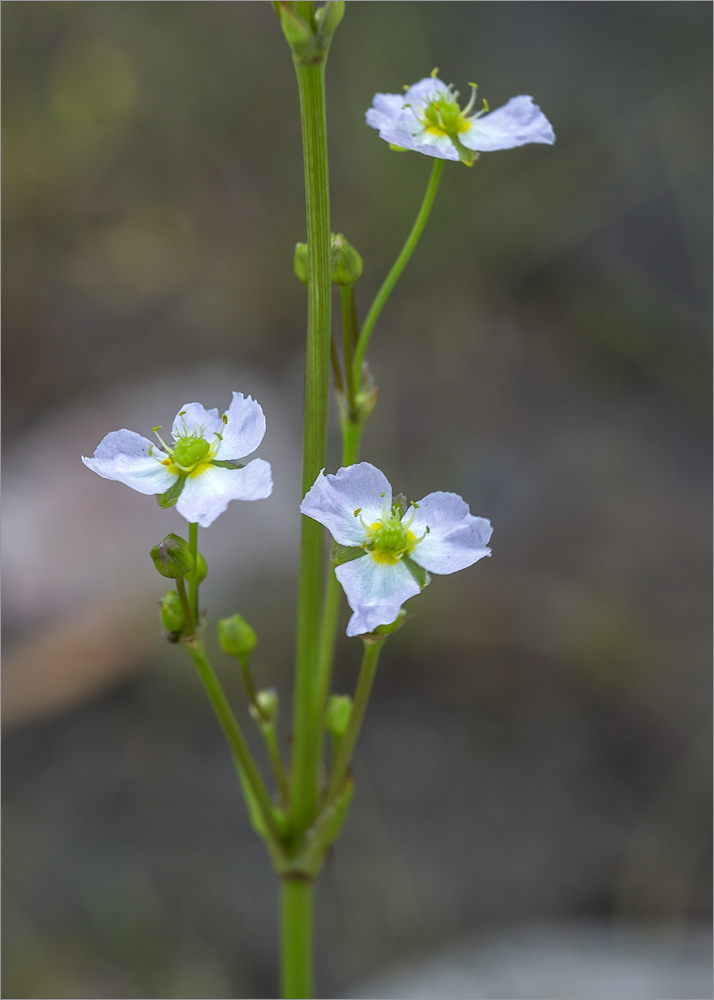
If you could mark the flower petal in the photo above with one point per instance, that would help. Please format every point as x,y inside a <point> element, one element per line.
<point>456,539</point>
<point>207,495</point>
<point>124,456</point>
<point>518,122</point>
<point>375,591</point>
<point>419,94</point>
<point>333,500</point>
<point>387,105</point>
<point>194,418</point>
<point>244,430</point>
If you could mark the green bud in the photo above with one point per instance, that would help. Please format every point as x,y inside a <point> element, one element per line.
<point>329,16</point>
<point>300,262</point>
<point>298,33</point>
<point>202,568</point>
<point>268,706</point>
<point>172,557</point>
<point>345,262</point>
<point>236,637</point>
<point>339,709</point>
<point>172,613</point>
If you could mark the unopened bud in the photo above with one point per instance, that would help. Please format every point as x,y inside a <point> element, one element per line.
<point>339,709</point>
<point>268,705</point>
<point>300,262</point>
<point>345,262</point>
<point>329,16</point>
<point>236,637</point>
<point>202,568</point>
<point>172,617</point>
<point>297,31</point>
<point>172,557</point>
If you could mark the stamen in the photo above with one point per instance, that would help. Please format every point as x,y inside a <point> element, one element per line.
<point>161,440</point>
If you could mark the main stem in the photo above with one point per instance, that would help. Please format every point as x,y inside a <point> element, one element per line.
<point>306,728</point>
<point>297,895</point>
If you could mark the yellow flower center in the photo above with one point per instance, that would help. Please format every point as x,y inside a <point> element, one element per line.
<point>389,540</point>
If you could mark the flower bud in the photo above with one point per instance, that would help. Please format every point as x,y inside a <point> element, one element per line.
<point>298,33</point>
<point>268,705</point>
<point>300,262</point>
<point>339,709</point>
<point>172,557</point>
<point>236,637</point>
<point>172,617</point>
<point>345,262</point>
<point>202,568</point>
<point>329,16</point>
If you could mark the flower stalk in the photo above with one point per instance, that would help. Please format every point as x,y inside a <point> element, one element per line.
<point>400,263</point>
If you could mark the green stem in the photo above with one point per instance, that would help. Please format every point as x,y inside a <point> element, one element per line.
<point>185,606</point>
<point>351,436</point>
<point>235,738</point>
<point>271,742</point>
<point>347,297</point>
<point>306,730</point>
<point>296,977</point>
<point>397,268</point>
<point>341,763</point>
<point>193,575</point>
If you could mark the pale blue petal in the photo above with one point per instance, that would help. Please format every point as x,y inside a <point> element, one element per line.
<point>244,429</point>
<point>207,495</point>
<point>333,501</point>
<point>124,456</point>
<point>387,105</point>
<point>194,418</point>
<point>515,124</point>
<point>455,539</point>
<point>419,94</point>
<point>375,591</point>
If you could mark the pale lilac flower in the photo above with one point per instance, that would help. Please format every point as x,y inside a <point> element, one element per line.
<point>428,119</point>
<point>201,471</point>
<point>389,546</point>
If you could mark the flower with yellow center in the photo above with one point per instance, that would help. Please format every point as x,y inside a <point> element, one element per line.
<point>391,547</point>
<point>200,472</point>
<point>428,119</point>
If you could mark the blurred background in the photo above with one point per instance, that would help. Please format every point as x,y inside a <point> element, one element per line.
<point>533,781</point>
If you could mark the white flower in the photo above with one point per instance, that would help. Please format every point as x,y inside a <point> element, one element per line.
<point>200,471</point>
<point>428,119</point>
<point>438,534</point>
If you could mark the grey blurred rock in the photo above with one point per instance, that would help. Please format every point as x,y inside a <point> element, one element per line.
<point>573,962</point>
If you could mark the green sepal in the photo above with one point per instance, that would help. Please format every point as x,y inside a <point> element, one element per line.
<point>169,498</point>
<point>419,574</point>
<point>226,464</point>
<point>397,149</point>
<point>340,554</point>
<point>467,156</point>
<point>382,631</point>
